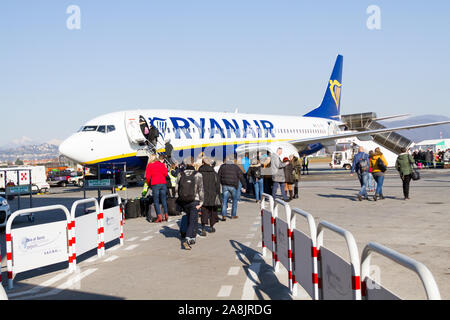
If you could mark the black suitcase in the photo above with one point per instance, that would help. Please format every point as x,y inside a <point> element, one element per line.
<point>132,209</point>
<point>172,207</point>
<point>145,203</point>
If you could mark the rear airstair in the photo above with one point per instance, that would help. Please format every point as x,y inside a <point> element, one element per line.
<point>367,121</point>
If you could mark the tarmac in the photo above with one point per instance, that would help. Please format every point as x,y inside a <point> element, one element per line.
<point>228,265</point>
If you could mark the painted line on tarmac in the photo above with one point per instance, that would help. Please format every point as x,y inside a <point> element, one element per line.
<point>147,238</point>
<point>132,239</point>
<point>41,286</point>
<point>225,291</point>
<point>248,292</point>
<point>250,235</point>
<point>69,283</point>
<point>112,258</point>
<point>132,247</point>
<point>234,271</point>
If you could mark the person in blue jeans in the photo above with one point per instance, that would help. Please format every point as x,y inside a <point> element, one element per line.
<point>255,177</point>
<point>159,192</point>
<point>361,165</point>
<point>226,192</point>
<point>231,178</point>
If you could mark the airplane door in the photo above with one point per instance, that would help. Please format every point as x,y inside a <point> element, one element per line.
<point>133,128</point>
<point>332,128</point>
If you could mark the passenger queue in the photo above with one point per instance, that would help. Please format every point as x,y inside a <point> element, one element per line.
<point>203,188</point>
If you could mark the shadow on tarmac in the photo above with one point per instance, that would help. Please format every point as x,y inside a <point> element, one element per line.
<point>269,285</point>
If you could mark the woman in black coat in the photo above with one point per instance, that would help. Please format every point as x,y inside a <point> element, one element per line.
<point>289,177</point>
<point>211,186</point>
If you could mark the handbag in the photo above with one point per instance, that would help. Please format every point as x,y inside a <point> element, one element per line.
<point>415,175</point>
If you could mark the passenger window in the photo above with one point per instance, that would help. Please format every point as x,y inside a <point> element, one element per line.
<point>111,128</point>
<point>102,129</point>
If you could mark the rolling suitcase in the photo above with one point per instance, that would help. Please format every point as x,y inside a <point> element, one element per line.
<point>172,207</point>
<point>132,209</point>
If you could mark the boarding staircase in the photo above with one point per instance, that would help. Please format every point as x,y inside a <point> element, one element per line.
<point>149,149</point>
<point>367,121</point>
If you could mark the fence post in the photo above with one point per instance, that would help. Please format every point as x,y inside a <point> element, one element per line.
<point>353,252</point>
<point>313,236</point>
<point>420,269</point>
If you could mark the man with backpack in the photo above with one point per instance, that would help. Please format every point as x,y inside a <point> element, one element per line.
<point>190,199</point>
<point>361,164</point>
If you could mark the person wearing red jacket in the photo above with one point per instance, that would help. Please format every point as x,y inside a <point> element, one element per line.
<point>156,174</point>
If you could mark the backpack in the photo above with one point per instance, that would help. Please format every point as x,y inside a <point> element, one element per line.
<point>381,165</point>
<point>363,165</point>
<point>186,188</point>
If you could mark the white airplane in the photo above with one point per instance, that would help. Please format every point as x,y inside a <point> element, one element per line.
<point>117,137</point>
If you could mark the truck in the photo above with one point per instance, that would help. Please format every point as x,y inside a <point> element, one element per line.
<point>342,159</point>
<point>18,176</point>
<point>59,178</point>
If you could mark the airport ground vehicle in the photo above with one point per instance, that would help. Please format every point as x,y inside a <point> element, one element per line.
<point>16,176</point>
<point>76,178</point>
<point>58,178</point>
<point>5,212</point>
<point>342,159</point>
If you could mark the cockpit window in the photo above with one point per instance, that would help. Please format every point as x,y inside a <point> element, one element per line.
<point>101,129</point>
<point>90,128</point>
<point>111,128</point>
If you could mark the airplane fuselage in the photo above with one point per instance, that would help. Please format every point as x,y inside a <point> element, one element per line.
<point>113,137</point>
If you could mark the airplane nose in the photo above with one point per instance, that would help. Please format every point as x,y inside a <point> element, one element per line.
<point>68,149</point>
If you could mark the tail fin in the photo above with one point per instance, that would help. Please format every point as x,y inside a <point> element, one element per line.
<point>331,103</point>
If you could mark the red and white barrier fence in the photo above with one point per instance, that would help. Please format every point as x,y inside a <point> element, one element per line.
<point>305,255</point>
<point>338,280</point>
<point>267,225</point>
<point>85,236</point>
<point>374,291</point>
<point>283,239</point>
<point>111,226</point>
<point>37,246</point>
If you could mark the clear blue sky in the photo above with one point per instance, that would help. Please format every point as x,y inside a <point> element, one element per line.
<point>258,55</point>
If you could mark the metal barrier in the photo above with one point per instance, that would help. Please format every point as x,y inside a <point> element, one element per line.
<point>305,255</point>
<point>36,246</point>
<point>267,226</point>
<point>111,225</point>
<point>334,273</point>
<point>283,240</point>
<point>380,293</point>
<point>85,236</point>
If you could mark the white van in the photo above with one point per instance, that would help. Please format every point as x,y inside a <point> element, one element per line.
<point>21,176</point>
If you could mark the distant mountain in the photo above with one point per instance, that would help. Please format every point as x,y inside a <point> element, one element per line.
<point>418,135</point>
<point>30,152</point>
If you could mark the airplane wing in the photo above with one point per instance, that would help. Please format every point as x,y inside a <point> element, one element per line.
<point>327,140</point>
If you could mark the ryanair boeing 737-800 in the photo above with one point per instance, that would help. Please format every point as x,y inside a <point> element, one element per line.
<point>118,137</point>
